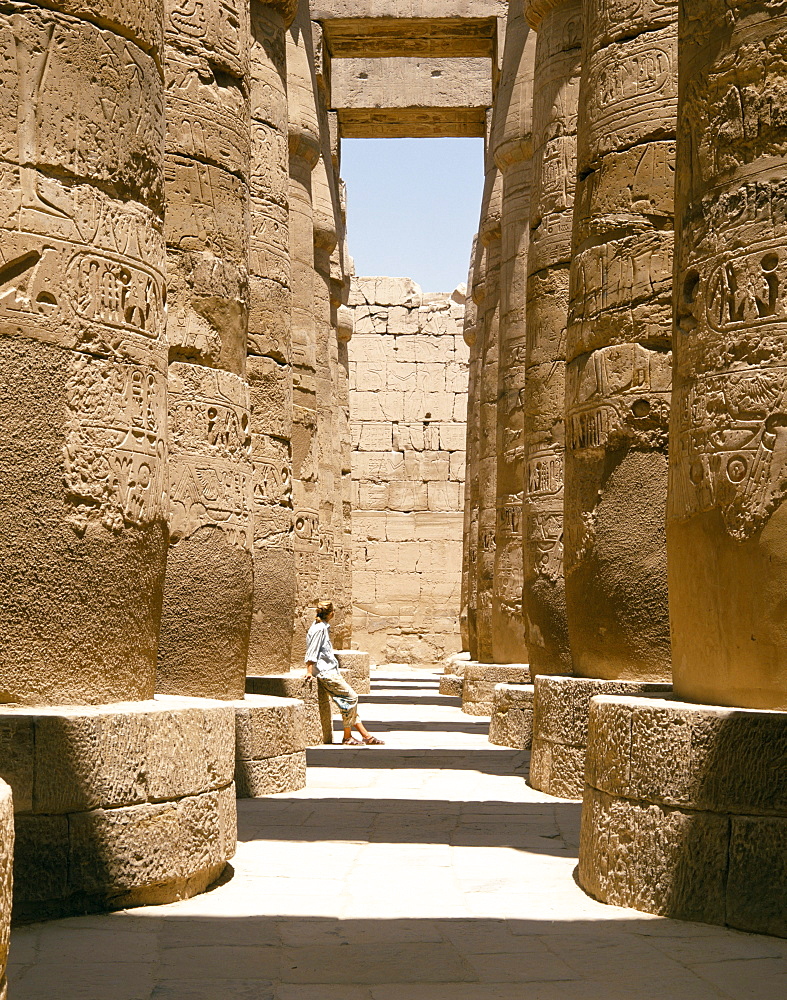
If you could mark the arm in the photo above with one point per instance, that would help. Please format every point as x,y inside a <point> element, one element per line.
<point>313,646</point>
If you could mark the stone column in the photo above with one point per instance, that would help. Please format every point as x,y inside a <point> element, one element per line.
<point>84,359</point>
<point>269,349</point>
<point>304,153</point>
<point>209,584</point>
<point>555,94</point>
<point>727,524</point>
<point>700,789</point>
<point>489,234</point>
<point>467,612</point>
<point>512,153</point>
<point>6,878</point>
<point>618,374</point>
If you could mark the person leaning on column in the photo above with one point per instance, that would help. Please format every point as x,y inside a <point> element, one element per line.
<point>321,663</point>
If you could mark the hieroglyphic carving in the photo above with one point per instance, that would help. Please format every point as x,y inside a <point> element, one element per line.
<point>210,453</point>
<point>58,115</point>
<point>619,397</point>
<point>211,29</point>
<point>115,451</point>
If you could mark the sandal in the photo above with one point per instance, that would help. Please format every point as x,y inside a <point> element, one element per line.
<point>352,742</point>
<point>372,741</point>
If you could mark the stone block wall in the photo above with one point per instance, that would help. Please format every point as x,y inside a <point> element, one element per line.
<point>408,399</point>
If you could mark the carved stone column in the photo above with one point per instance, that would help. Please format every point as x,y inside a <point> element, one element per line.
<point>467,613</point>
<point>512,152</point>
<point>727,522</point>
<point>118,799</point>
<point>209,585</point>
<point>6,878</point>
<point>698,788</point>
<point>269,348</point>
<point>83,357</point>
<point>555,94</point>
<point>619,363</point>
<point>489,234</point>
<point>304,153</point>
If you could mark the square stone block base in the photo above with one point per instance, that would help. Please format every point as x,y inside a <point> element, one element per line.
<point>511,724</point>
<point>317,724</point>
<point>118,805</point>
<point>685,812</point>
<point>270,744</point>
<point>6,876</point>
<point>356,668</point>
<point>560,728</point>
<point>478,686</point>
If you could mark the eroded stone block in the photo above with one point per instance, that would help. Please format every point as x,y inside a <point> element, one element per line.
<point>511,724</point>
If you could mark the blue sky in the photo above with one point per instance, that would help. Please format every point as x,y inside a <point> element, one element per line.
<point>413,206</point>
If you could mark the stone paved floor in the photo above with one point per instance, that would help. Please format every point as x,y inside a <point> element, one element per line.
<point>423,870</point>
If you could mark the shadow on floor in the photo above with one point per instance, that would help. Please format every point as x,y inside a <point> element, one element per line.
<point>473,728</point>
<point>181,957</point>
<point>550,828</point>
<point>502,761</point>
<point>411,699</point>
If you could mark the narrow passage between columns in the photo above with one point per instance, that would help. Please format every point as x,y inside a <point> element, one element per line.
<point>426,869</point>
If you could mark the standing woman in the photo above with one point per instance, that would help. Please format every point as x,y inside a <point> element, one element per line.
<point>321,663</point>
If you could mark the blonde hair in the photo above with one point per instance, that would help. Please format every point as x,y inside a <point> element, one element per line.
<point>324,608</point>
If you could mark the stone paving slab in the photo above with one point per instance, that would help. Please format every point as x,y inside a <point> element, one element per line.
<point>423,870</point>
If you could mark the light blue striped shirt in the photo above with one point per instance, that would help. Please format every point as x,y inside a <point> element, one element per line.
<point>319,650</point>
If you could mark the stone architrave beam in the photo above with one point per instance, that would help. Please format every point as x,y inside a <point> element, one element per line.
<point>411,96</point>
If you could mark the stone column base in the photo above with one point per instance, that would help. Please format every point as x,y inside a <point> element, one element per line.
<point>511,724</point>
<point>451,685</point>
<point>317,725</point>
<point>6,877</point>
<point>356,668</point>
<point>478,687</point>
<point>270,745</point>
<point>118,805</point>
<point>560,728</point>
<point>685,812</point>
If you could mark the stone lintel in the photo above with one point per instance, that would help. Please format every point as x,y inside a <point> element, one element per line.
<point>685,811</point>
<point>413,123</point>
<point>386,36</point>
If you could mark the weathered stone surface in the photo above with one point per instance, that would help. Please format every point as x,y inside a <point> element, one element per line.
<point>685,811</point>
<point>208,589</point>
<point>317,727</point>
<point>480,681</point>
<point>107,756</point>
<point>451,685</point>
<point>618,374</point>
<point>561,708</point>
<point>131,803</point>
<point>726,518</point>
<point>83,352</point>
<point>555,96</point>
<point>407,468</point>
<point>511,724</point>
<point>268,727</point>
<point>652,858</point>
<point>356,667</point>
<point>269,775</point>
<point>512,147</point>
<point>6,875</point>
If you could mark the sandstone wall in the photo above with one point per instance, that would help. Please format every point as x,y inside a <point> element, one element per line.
<point>408,396</point>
